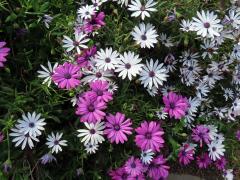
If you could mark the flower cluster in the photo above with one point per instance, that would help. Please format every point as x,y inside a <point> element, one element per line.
<point>191,80</point>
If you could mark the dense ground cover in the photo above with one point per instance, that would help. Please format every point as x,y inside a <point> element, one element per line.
<point>185,120</point>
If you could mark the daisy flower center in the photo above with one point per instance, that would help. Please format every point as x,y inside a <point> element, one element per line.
<point>133,165</point>
<point>116,127</point>
<point>214,149</point>
<point>26,135</point>
<point>87,13</point>
<point>148,135</point>
<point>75,43</point>
<point>99,92</point>
<point>98,74</point>
<point>143,8</point>
<point>107,60</point>
<point>189,58</point>
<point>151,74</point>
<point>56,142</point>
<point>127,66</point>
<point>31,124</point>
<point>210,50</point>
<point>206,25</point>
<point>190,68</point>
<point>172,105</point>
<point>92,131</point>
<point>67,76</point>
<point>91,108</point>
<point>144,37</point>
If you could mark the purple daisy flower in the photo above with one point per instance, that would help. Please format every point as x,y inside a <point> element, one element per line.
<point>203,161</point>
<point>83,59</point>
<point>221,163</point>
<point>67,76</point>
<point>175,105</point>
<point>158,168</point>
<point>185,154</point>
<point>201,134</point>
<point>4,51</point>
<point>117,127</point>
<point>90,110</point>
<point>149,136</point>
<point>95,23</point>
<point>133,166</point>
<point>238,135</point>
<point>99,91</point>
<point>120,174</point>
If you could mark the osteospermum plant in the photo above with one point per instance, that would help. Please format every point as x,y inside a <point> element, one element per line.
<point>120,89</point>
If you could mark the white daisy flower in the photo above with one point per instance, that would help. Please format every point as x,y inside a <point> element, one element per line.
<point>228,93</point>
<point>233,18</point>
<point>166,41</point>
<point>147,156</point>
<point>186,25</point>
<point>213,132</point>
<point>236,52</point>
<point>22,138</point>
<point>153,74</point>
<point>31,124</point>
<point>236,107</point>
<point>98,3</point>
<point>106,59</point>
<point>194,103</point>
<point>216,150</point>
<point>96,74</point>
<point>228,174</point>
<point>170,62</point>
<point>54,142</point>
<point>188,57</point>
<point>161,114</point>
<point>91,148</point>
<point>219,138</point>
<point>207,24</point>
<point>153,91</point>
<point>140,9</point>
<point>236,77</point>
<point>112,87</point>
<point>47,158</point>
<point>46,73</point>
<point>122,2</point>
<point>47,19</point>
<point>79,42</point>
<point>86,12</point>
<point>209,48</point>
<point>212,77</point>
<point>145,35</point>
<point>166,89</point>
<point>129,65</point>
<point>202,90</point>
<point>93,133</point>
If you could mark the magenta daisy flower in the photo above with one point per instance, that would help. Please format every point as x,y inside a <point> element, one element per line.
<point>149,136</point>
<point>175,105</point>
<point>117,127</point>
<point>203,161</point>
<point>95,23</point>
<point>99,91</point>
<point>201,134</point>
<point>158,168</point>
<point>4,51</point>
<point>133,166</point>
<point>120,174</point>
<point>90,110</point>
<point>84,58</point>
<point>185,154</point>
<point>221,163</point>
<point>67,76</point>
